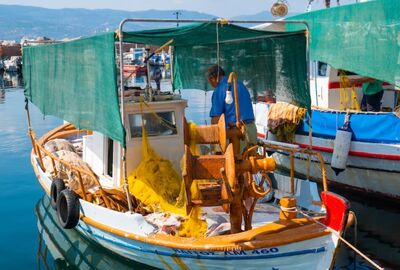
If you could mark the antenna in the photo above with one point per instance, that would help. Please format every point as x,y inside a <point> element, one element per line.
<point>177,14</point>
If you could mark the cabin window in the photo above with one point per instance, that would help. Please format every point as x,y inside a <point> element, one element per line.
<point>156,124</point>
<point>110,152</point>
<point>322,69</point>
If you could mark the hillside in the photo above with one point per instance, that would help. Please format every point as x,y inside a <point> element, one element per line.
<point>18,21</point>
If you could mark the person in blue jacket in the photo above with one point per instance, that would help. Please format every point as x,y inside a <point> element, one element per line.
<point>217,78</point>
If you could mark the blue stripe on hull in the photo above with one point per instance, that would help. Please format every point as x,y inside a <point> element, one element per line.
<point>199,256</point>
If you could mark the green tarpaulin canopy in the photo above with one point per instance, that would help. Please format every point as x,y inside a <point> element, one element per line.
<point>363,38</point>
<point>265,61</point>
<point>77,80</point>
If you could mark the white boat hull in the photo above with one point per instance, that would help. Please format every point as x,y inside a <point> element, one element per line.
<point>314,253</point>
<point>311,254</point>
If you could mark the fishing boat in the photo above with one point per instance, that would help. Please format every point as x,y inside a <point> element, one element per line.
<point>129,174</point>
<point>370,162</point>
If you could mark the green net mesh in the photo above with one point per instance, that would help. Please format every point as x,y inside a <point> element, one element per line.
<point>76,81</point>
<point>269,63</point>
<point>363,38</point>
<point>268,66</point>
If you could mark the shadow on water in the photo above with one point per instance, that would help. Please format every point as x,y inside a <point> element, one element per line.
<point>377,233</point>
<point>68,249</point>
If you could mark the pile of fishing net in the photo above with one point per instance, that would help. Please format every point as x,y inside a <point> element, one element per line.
<point>160,189</point>
<point>65,151</point>
<point>62,158</point>
<point>284,119</point>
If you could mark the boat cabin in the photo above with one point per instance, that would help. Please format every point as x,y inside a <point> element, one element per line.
<point>163,121</point>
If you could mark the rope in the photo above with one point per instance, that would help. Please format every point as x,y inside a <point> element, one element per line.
<point>161,120</point>
<point>310,146</point>
<point>218,52</point>
<point>289,209</point>
<point>204,107</point>
<point>355,235</point>
<point>343,240</point>
<point>345,103</point>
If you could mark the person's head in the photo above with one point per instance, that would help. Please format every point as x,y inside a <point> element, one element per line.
<point>214,74</point>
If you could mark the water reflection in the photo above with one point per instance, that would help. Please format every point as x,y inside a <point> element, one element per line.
<point>67,249</point>
<point>377,233</point>
<point>2,95</point>
<point>10,80</point>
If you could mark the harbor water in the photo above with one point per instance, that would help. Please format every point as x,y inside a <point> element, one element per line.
<point>31,237</point>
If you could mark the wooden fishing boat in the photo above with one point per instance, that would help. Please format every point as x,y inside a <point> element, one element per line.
<point>212,219</point>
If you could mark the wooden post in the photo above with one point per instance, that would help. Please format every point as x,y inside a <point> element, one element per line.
<point>288,208</point>
<point>292,173</point>
<point>40,159</point>
<point>82,186</point>
<point>236,215</point>
<point>54,165</point>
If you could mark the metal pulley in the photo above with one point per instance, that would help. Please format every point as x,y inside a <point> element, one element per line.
<point>280,8</point>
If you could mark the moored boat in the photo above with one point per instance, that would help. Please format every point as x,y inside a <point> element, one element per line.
<point>372,161</point>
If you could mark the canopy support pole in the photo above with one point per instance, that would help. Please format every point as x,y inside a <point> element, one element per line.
<point>30,131</point>
<point>122,88</point>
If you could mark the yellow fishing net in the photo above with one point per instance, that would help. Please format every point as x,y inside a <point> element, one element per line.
<point>194,147</point>
<point>161,189</point>
<point>345,103</point>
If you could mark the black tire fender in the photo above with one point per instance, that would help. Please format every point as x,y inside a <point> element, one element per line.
<point>57,185</point>
<point>68,209</point>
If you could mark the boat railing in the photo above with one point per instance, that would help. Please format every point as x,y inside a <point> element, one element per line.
<point>61,132</point>
<point>293,150</point>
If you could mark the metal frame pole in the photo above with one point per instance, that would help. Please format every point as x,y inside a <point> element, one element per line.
<point>122,87</point>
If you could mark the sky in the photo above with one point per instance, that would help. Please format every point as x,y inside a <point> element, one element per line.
<point>222,8</point>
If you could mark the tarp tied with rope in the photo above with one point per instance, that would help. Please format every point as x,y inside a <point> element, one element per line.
<point>268,62</point>
<point>363,38</point>
<point>77,80</point>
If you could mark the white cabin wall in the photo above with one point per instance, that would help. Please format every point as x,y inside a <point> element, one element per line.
<point>319,84</point>
<point>117,164</point>
<point>261,110</point>
<point>170,147</point>
<point>389,98</point>
<point>93,152</point>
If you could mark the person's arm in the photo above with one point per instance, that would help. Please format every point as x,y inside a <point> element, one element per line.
<point>214,120</point>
